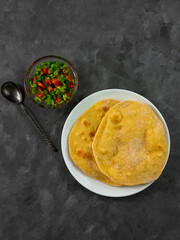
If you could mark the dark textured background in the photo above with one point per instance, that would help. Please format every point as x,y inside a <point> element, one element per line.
<point>126,44</point>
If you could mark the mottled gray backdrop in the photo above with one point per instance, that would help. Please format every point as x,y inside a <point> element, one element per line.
<point>126,44</point>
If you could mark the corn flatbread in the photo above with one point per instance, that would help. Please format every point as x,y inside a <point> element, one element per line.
<point>81,137</point>
<point>130,145</point>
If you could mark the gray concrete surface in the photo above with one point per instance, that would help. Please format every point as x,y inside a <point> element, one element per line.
<point>126,44</point>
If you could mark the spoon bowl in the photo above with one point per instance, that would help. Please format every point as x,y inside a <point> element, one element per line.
<point>11,92</point>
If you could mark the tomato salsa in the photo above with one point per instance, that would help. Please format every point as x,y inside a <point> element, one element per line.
<point>52,83</point>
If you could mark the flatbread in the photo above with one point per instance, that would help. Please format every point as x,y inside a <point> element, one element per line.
<point>130,146</point>
<point>81,137</point>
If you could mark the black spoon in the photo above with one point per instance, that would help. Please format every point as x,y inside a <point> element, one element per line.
<point>12,92</point>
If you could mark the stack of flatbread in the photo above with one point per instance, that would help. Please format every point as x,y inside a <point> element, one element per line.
<point>119,143</point>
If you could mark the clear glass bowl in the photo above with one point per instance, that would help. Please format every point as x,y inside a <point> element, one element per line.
<point>30,72</point>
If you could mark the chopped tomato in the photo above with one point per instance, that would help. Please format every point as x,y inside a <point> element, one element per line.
<point>41,85</point>
<point>57,100</point>
<point>40,89</point>
<point>70,85</point>
<point>47,81</point>
<point>40,95</point>
<point>69,78</point>
<point>69,94</point>
<point>34,79</point>
<point>45,71</point>
<point>50,89</point>
<point>56,82</point>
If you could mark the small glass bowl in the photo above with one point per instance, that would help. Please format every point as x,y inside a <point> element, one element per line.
<point>30,72</point>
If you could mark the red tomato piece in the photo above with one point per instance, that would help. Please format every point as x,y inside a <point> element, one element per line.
<point>56,82</point>
<point>47,81</point>
<point>70,85</point>
<point>34,79</point>
<point>69,78</point>
<point>41,85</point>
<point>40,95</point>
<point>69,94</point>
<point>40,89</point>
<point>50,89</point>
<point>57,100</point>
<point>45,71</point>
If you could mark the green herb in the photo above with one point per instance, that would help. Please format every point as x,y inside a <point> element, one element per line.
<point>55,73</point>
<point>37,98</point>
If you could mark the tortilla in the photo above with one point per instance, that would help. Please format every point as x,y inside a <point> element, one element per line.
<point>81,137</point>
<point>130,146</point>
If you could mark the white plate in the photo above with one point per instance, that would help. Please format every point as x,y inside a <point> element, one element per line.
<point>90,183</point>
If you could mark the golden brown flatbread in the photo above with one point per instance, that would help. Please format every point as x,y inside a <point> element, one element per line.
<point>130,145</point>
<point>81,137</point>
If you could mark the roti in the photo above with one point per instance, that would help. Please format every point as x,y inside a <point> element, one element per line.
<point>130,145</point>
<point>82,135</point>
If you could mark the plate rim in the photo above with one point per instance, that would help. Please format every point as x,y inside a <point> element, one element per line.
<point>63,144</point>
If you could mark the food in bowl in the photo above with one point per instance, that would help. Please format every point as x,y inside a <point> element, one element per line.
<point>52,83</point>
<point>129,145</point>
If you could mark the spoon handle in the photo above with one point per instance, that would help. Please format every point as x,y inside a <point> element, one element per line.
<point>36,124</point>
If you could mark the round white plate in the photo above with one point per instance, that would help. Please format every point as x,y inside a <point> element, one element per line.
<point>88,182</point>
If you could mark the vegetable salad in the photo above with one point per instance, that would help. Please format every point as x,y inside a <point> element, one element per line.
<point>52,83</point>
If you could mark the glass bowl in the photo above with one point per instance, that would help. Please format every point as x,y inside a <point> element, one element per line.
<point>30,72</point>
